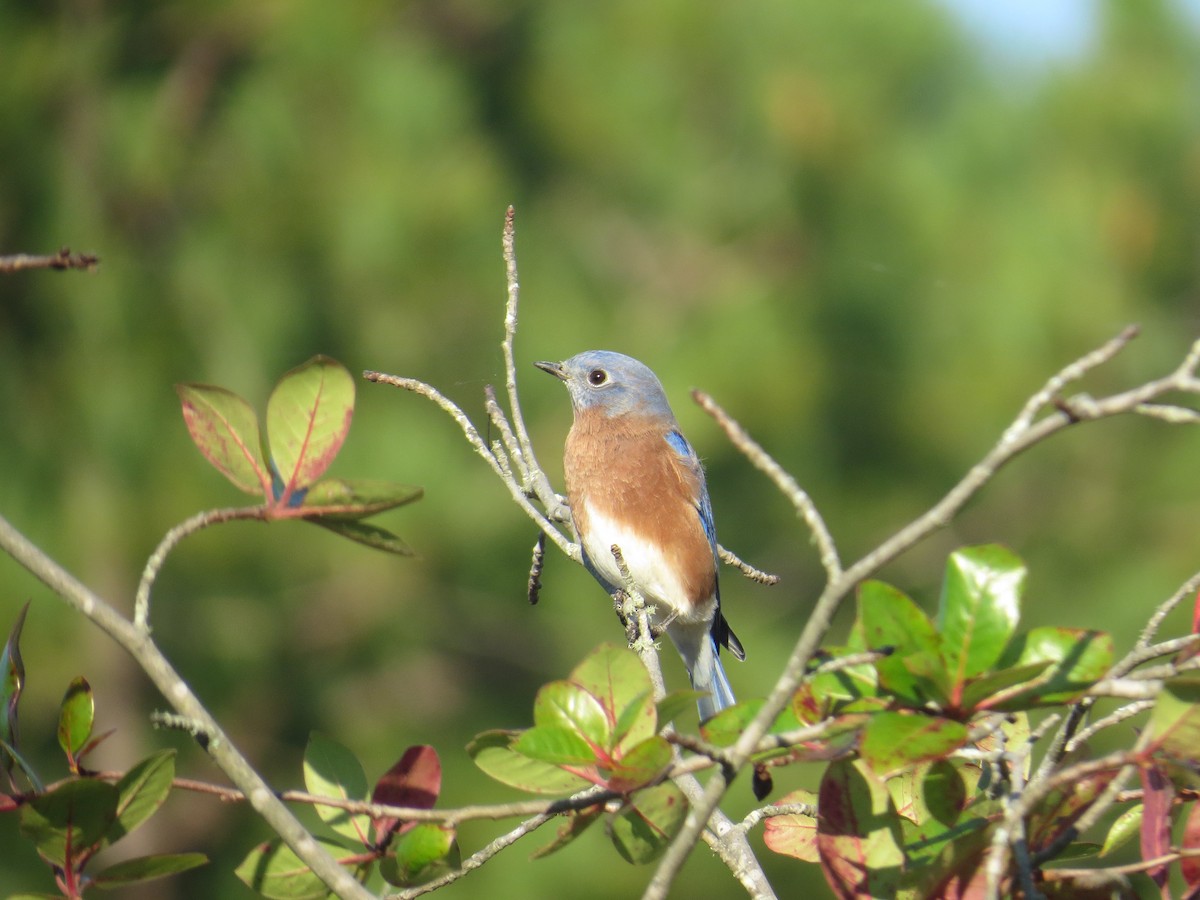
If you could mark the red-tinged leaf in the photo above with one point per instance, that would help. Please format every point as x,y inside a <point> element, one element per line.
<point>75,718</point>
<point>1190,865</point>
<point>858,833</point>
<point>415,780</point>
<point>1196,614</point>
<point>616,678</point>
<point>894,741</point>
<point>795,834</point>
<point>1062,807</point>
<point>225,429</point>
<point>343,499</point>
<point>638,722</point>
<point>979,608</point>
<point>642,764</point>
<point>308,418</point>
<point>959,872</point>
<point>12,681</point>
<point>1157,795</point>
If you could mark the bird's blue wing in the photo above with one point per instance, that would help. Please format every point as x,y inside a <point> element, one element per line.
<point>722,634</point>
<point>703,505</point>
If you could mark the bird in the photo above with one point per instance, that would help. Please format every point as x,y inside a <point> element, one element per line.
<point>634,481</point>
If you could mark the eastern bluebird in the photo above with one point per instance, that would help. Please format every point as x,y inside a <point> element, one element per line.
<point>634,481</point>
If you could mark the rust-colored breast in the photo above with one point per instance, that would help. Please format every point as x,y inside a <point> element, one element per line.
<point>624,468</point>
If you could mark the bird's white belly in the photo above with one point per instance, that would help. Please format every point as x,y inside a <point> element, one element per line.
<point>648,567</point>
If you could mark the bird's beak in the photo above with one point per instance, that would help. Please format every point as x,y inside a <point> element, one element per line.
<point>553,368</point>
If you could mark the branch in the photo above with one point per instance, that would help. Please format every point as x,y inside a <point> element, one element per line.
<point>198,522</point>
<point>62,260</point>
<point>137,643</point>
<point>1025,431</point>
<point>786,484</point>
<point>473,438</point>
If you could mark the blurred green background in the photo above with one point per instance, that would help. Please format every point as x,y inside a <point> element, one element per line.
<point>867,231</point>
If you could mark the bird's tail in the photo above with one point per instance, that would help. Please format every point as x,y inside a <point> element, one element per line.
<point>708,675</point>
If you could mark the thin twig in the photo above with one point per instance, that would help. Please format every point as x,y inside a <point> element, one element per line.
<point>755,816</point>
<point>198,522</point>
<point>1185,590</point>
<point>62,260</point>
<point>473,438</point>
<point>535,478</point>
<point>732,559</point>
<point>787,485</point>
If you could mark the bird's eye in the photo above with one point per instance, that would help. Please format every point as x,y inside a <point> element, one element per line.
<point>597,377</point>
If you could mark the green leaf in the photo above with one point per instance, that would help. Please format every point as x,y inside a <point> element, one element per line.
<point>493,753</point>
<point>915,671</point>
<point>141,791</point>
<point>308,418</point>
<point>225,429</point>
<point>823,694</point>
<point>367,534</point>
<point>726,727</point>
<point>573,824</point>
<point>930,800</point>
<point>858,832</point>
<point>1175,720</point>
<point>147,868</point>
<point>337,497</point>
<point>676,703</point>
<point>641,765</point>
<point>1078,660</point>
<point>13,756</point>
<point>646,825</point>
<point>556,745</point>
<point>12,681</point>
<point>75,718</point>
<point>638,722</point>
<point>277,873</point>
<point>617,679</point>
<point>568,706</point>
<point>987,687</point>
<point>793,835</point>
<point>70,819</point>
<point>980,607</point>
<point>421,854</point>
<point>894,741</point>
<point>330,770</point>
